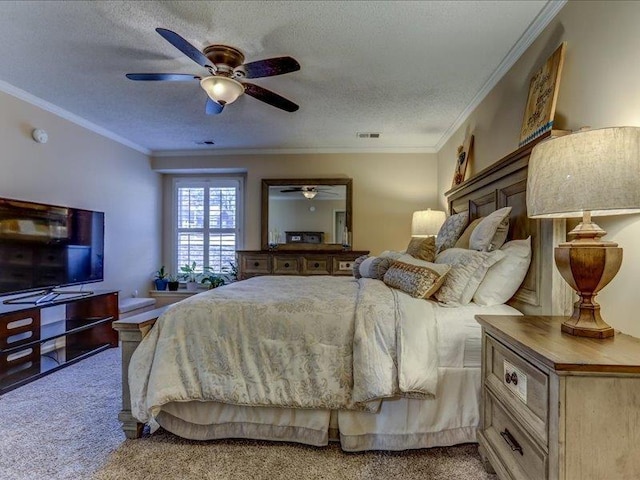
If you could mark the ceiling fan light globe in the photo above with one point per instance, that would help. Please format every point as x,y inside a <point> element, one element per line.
<point>222,90</point>
<point>309,194</point>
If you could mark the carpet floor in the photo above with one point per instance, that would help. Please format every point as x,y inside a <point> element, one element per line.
<point>64,426</point>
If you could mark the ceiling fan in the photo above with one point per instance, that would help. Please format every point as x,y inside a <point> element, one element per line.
<point>308,191</point>
<point>225,81</point>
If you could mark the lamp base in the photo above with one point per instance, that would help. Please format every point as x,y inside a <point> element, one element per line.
<point>588,266</point>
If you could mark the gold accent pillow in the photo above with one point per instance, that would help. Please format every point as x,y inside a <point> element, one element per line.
<point>416,280</point>
<point>463,241</point>
<point>423,248</point>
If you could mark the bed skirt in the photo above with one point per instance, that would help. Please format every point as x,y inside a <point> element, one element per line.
<point>451,418</point>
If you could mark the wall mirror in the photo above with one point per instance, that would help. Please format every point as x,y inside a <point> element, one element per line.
<point>306,214</point>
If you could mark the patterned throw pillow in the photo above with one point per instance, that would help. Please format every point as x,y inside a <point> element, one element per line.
<point>492,231</point>
<point>468,268</point>
<point>451,230</point>
<point>423,248</point>
<point>356,265</point>
<point>418,281</point>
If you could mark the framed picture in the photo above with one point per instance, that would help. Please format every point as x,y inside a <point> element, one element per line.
<point>543,94</point>
<point>462,160</point>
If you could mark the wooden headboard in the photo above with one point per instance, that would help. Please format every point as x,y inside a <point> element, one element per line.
<point>504,184</point>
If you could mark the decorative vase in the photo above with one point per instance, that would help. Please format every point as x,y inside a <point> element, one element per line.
<point>161,284</point>
<point>173,286</point>
<point>192,286</point>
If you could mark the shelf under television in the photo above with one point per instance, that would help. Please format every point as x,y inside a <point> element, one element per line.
<point>81,324</point>
<point>47,365</point>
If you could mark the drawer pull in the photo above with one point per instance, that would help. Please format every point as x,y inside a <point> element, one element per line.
<point>286,265</point>
<point>514,378</point>
<point>512,442</point>
<point>256,264</point>
<point>316,265</point>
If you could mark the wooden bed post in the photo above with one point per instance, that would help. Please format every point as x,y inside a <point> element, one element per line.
<point>131,331</point>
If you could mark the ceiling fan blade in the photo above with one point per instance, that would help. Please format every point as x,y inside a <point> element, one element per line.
<point>269,97</point>
<point>213,108</point>
<point>162,77</point>
<point>185,47</point>
<point>271,67</point>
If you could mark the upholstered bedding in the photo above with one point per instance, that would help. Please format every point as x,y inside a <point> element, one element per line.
<point>298,342</point>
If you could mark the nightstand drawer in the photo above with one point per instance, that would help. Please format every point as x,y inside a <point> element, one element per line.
<point>285,265</point>
<point>315,265</point>
<point>519,385</point>
<point>510,442</point>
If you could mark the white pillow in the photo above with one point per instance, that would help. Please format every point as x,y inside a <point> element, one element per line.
<point>491,232</point>
<point>468,268</point>
<point>504,278</point>
<point>391,254</point>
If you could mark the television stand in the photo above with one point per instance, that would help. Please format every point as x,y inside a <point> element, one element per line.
<point>39,338</point>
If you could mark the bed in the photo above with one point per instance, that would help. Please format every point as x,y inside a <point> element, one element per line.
<point>368,383</point>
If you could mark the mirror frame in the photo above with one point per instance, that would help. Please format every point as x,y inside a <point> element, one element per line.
<point>276,182</point>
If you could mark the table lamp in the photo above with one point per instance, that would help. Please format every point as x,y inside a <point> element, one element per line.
<point>584,174</point>
<point>427,223</point>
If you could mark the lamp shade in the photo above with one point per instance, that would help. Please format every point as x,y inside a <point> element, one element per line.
<point>595,171</point>
<point>426,222</point>
<point>222,89</point>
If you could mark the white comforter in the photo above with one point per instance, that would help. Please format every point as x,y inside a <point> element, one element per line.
<point>302,342</point>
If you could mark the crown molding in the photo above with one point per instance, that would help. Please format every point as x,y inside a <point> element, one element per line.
<point>541,21</point>
<point>286,151</point>
<point>72,117</point>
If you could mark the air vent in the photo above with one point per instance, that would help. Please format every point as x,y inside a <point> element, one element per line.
<point>206,142</point>
<point>367,135</point>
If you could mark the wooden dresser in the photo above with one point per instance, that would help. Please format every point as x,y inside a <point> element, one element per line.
<point>252,263</point>
<point>557,406</point>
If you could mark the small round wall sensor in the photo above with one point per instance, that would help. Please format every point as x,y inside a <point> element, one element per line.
<point>312,209</point>
<point>39,135</point>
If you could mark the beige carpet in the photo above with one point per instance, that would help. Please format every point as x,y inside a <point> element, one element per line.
<point>64,426</point>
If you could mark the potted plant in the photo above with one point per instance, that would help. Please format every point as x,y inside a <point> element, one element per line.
<point>173,283</point>
<point>212,280</point>
<point>161,279</point>
<point>190,274</point>
<point>230,273</point>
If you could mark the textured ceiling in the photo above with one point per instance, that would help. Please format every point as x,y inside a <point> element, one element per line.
<point>408,70</point>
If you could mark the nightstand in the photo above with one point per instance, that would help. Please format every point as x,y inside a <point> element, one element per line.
<point>556,406</point>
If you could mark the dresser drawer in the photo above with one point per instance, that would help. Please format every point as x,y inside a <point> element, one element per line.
<point>286,265</point>
<point>509,441</point>
<point>16,255</point>
<point>315,265</point>
<point>519,385</point>
<point>343,265</point>
<point>255,264</point>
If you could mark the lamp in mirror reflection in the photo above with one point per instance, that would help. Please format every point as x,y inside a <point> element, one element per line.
<point>584,174</point>
<point>427,223</point>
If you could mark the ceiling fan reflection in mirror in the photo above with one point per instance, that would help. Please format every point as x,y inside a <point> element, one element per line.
<point>225,82</point>
<point>308,191</point>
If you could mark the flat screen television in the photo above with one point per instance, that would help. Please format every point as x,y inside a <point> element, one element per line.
<point>46,247</point>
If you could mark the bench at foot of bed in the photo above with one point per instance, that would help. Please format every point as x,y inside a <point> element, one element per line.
<point>131,331</point>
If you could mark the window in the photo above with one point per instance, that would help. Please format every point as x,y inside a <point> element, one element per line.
<point>208,219</point>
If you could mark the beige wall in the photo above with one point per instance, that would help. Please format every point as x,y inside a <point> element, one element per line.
<point>82,169</point>
<point>387,188</point>
<point>599,88</point>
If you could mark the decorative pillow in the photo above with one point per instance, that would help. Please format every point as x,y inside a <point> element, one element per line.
<point>492,231</point>
<point>505,277</point>
<point>468,268</point>
<point>463,241</point>
<point>375,267</point>
<point>356,265</point>
<point>418,281</point>
<point>423,248</point>
<point>451,230</point>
